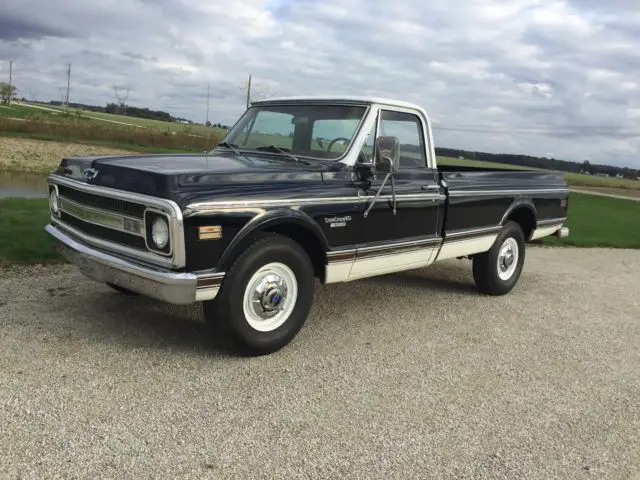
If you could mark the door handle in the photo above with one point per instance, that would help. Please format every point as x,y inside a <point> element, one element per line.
<point>431,187</point>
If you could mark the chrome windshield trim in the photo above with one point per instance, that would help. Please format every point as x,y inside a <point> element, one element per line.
<point>82,212</point>
<point>168,206</point>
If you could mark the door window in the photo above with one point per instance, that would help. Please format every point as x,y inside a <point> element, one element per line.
<point>408,128</point>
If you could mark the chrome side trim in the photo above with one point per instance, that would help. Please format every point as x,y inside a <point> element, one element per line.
<point>208,286</point>
<point>404,244</point>
<point>351,264</point>
<point>545,230</point>
<point>453,236</point>
<point>466,246</point>
<point>168,286</point>
<point>551,221</point>
<point>202,208</point>
<point>88,210</point>
<point>522,191</point>
<point>168,206</point>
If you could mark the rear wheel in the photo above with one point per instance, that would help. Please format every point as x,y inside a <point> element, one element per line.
<point>496,271</point>
<point>265,296</point>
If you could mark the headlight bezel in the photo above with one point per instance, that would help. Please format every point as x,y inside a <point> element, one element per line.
<point>53,191</point>
<point>150,216</point>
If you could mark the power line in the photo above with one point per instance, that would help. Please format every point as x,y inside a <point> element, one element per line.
<point>68,84</point>
<point>10,80</point>
<point>249,91</point>
<point>207,122</point>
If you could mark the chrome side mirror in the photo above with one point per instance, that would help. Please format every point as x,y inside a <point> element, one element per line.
<point>387,154</point>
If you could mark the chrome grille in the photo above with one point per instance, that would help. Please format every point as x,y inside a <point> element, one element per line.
<point>115,220</point>
<point>104,203</point>
<point>105,233</point>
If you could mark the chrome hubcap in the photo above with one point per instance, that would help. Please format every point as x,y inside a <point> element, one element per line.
<point>270,296</point>
<point>507,258</point>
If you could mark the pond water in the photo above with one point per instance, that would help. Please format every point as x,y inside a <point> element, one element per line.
<point>21,185</point>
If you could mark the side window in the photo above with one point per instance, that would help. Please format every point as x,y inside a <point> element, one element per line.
<point>408,128</point>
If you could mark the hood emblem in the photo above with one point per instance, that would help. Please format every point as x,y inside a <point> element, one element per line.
<point>90,173</point>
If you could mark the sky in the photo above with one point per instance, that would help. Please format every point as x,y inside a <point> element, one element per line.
<point>540,77</point>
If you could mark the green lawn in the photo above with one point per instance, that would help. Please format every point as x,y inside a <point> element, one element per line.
<point>20,111</point>
<point>596,221</point>
<point>22,235</point>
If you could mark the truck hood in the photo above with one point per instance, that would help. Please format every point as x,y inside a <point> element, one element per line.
<point>165,175</point>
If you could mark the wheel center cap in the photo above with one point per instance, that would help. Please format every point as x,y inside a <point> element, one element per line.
<point>272,299</point>
<point>508,259</point>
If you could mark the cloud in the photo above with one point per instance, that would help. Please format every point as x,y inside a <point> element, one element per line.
<point>554,78</point>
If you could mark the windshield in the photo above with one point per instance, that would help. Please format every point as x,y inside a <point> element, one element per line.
<point>313,131</point>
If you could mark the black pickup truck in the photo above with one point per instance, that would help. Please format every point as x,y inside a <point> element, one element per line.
<point>333,189</point>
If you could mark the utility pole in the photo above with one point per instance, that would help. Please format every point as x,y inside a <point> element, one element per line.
<point>249,92</point>
<point>10,79</point>
<point>207,122</point>
<point>68,84</point>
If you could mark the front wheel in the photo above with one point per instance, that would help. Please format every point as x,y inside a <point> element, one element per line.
<point>266,295</point>
<point>496,271</point>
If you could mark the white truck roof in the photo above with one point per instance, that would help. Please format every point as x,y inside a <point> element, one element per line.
<point>339,99</point>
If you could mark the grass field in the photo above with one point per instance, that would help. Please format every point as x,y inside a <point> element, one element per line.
<point>195,129</point>
<point>22,235</point>
<point>594,222</point>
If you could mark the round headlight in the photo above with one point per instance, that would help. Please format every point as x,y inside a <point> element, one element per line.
<point>160,232</point>
<point>53,201</point>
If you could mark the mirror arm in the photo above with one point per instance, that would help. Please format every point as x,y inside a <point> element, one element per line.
<point>393,193</point>
<point>366,212</point>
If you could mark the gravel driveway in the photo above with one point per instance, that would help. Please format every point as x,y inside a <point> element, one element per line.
<point>412,375</point>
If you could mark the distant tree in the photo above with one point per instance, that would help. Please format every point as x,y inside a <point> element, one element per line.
<point>586,166</point>
<point>7,92</point>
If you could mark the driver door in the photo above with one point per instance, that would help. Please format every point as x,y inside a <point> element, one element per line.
<point>408,237</point>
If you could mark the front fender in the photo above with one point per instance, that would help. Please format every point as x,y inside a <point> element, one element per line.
<point>266,221</point>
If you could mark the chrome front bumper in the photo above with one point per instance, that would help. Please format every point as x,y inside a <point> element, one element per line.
<point>168,286</point>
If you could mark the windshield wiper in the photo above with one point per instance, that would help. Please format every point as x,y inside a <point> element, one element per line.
<point>229,145</point>
<point>235,150</point>
<point>271,148</point>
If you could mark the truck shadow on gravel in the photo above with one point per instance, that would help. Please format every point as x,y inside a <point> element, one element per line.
<point>139,322</point>
<point>448,277</point>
